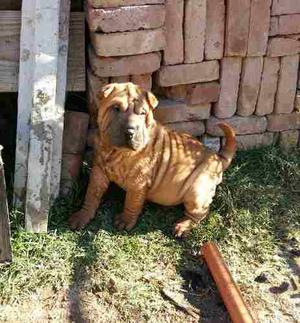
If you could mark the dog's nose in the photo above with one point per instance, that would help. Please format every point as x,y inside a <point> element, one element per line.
<point>130,132</point>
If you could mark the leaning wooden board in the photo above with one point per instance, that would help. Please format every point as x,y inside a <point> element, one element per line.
<point>10,24</point>
<point>5,248</point>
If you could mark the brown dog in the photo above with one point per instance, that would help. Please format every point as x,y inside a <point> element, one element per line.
<point>150,161</point>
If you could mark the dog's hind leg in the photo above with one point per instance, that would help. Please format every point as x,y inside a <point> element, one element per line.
<point>97,186</point>
<point>134,203</point>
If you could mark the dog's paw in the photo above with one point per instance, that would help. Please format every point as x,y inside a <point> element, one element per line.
<point>123,222</point>
<point>183,227</point>
<point>78,220</point>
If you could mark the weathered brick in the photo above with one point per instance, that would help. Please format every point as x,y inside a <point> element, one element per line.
<point>274,26</point>
<point>194,30</point>
<point>289,24</point>
<point>213,143</point>
<point>126,65</point>
<point>71,164</point>
<point>177,92</point>
<point>284,7</point>
<point>215,29</point>
<point>297,101</point>
<point>254,141</point>
<point>144,81</point>
<point>169,111</point>
<point>288,139</point>
<point>281,122</point>
<point>75,132</point>
<point>120,79</point>
<point>249,85</point>
<point>259,27</point>
<point>282,47</point>
<point>129,18</point>
<point>241,125</point>
<point>237,27</point>
<point>194,128</point>
<point>95,83</point>
<point>202,93</point>
<point>188,73</point>
<point>128,43</point>
<point>230,78</point>
<point>287,84</point>
<point>268,86</point>
<point>119,3</point>
<point>174,49</point>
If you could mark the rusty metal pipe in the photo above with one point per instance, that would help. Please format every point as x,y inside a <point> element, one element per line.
<point>228,289</point>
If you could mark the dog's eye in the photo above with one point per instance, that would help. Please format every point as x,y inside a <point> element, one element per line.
<point>143,112</point>
<point>116,108</point>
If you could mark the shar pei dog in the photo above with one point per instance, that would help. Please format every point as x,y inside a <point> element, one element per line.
<point>149,161</point>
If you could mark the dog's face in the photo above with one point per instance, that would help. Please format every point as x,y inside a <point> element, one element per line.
<point>125,115</point>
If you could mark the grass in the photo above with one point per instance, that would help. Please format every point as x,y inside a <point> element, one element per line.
<point>254,219</point>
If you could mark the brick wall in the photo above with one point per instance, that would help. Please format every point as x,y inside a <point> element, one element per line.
<point>207,60</point>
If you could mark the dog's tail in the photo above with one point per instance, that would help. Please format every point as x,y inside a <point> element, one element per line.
<point>227,152</point>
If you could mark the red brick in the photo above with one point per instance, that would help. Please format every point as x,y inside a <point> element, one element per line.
<point>215,29</point>
<point>259,27</point>
<point>237,27</point>
<point>75,132</point>
<point>194,30</point>
<point>177,92</point>
<point>144,81</point>
<point>115,19</point>
<point>282,47</point>
<point>71,164</point>
<point>230,78</point>
<point>126,65</point>
<point>268,87</point>
<point>174,51</point>
<point>194,128</point>
<point>281,122</point>
<point>249,85</point>
<point>202,93</point>
<point>128,43</point>
<point>288,139</point>
<point>169,111</point>
<point>283,7</point>
<point>241,125</point>
<point>254,141</point>
<point>188,73</point>
<point>213,143</point>
<point>92,133</point>
<point>274,26</point>
<point>289,24</point>
<point>119,3</point>
<point>287,84</point>
<point>120,79</point>
<point>95,83</point>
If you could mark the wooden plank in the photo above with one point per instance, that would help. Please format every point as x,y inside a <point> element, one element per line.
<point>5,247</point>
<point>10,24</point>
<point>10,4</point>
<point>42,79</point>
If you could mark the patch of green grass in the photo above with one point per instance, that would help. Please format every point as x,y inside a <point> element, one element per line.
<point>255,214</point>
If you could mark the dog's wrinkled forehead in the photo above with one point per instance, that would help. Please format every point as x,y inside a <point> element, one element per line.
<point>127,95</point>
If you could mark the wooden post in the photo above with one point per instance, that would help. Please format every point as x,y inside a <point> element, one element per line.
<point>42,87</point>
<point>5,248</point>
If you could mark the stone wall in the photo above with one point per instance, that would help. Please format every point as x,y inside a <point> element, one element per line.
<point>208,60</point>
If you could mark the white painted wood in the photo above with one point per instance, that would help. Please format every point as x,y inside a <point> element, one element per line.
<point>42,87</point>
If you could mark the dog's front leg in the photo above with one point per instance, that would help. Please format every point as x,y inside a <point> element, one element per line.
<point>134,203</point>
<point>97,186</point>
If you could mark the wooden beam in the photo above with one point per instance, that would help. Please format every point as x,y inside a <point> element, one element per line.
<point>42,87</point>
<point>5,248</point>
<point>10,25</point>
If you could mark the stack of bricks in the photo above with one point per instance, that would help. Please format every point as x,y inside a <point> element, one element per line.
<point>208,61</point>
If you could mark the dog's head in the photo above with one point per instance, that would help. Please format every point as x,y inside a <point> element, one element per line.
<point>125,115</point>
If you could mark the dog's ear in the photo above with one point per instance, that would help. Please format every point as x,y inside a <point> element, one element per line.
<point>106,90</point>
<point>152,100</point>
